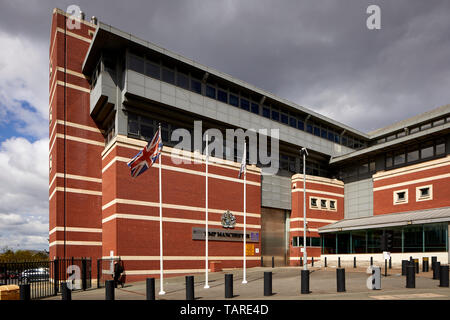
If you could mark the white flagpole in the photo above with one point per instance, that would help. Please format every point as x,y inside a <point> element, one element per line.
<point>206,224</point>
<point>161,280</point>
<point>245,215</point>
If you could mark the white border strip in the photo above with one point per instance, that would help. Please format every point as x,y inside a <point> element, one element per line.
<point>177,258</point>
<point>74,190</point>
<point>307,229</point>
<point>442,176</point>
<point>75,229</point>
<point>313,220</point>
<point>183,170</point>
<point>319,192</point>
<point>166,219</point>
<point>173,206</point>
<point>76,243</point>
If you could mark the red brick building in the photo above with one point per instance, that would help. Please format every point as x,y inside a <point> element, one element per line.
<point>109,90</point>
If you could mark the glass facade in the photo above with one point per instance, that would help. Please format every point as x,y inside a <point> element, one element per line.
<point>411,238</point>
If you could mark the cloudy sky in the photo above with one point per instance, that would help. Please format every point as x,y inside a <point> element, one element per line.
<point>318,54</point>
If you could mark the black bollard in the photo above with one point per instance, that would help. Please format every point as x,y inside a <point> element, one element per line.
<point>301,262</point>
<point>404,265</point>
<point>312,262</point>
<point>410,276</point>
<point>354,262</point>
<point>390,262</point>
<point>25,292</point>
<point>339,262</point>
<point>229,285</point>
<point>273,261</point>
<point>424,264</point>
<point>433,259</point>
<point>150,288</point>
<point>325,262</point>
<point>262,261</point>
<point>416,263</point>
<point>385,267</point>
<point>267,283</point>
<point>66,293</point>
<point>109,290</point>
<point>340,278</point>
<point>190,288</point>
<point>371,261</point>
<point>437,270</point>
<point>443,273</point>
<point>304,286</point>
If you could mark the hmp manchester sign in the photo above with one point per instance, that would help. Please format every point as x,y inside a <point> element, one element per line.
<point>223,235</point>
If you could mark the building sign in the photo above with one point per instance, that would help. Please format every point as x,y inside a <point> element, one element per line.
<point>228,220</point>
<point>224,235</point>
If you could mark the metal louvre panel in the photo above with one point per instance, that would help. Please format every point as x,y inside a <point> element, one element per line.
<point>388,220</point>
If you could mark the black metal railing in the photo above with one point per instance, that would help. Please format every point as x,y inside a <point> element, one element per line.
<point>45,277</point>
<point>105,270</point>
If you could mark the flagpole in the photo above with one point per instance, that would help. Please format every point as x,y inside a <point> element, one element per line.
<point>245,215</point>
<point>206,224</point>
<point>161,279</point>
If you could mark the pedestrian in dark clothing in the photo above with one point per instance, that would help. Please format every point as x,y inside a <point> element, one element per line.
<point>118,269</point>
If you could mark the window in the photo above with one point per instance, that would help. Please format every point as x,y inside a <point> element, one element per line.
<point>389,162</point>
<point>309,128</point>
<point>293,122</point>
<point>440,147</point>
<point>399,158</point>
<point>414,130</point>
<point>332,204</point>
<point>344,141</point>
<point>234,100</point>
<point>323,204</point>
<point>424,193</point>
<point>330,136</point>
<point>210,91</point>
<point>168,75</point>
<point>412,156</point>
<point>284,118</point>
<point>245,104</point>
<point>266,112</point>
<point>426,150</point>
<point>301,125</point>
<point>222,96</point>
<point>196,86</point>
<point>313,202</point>
<point>382,140</point>
<point>255,108</point>
<point>323,133</point>
<point>317,131</point>
<point>401,134</point>
<point>401,196</point>
<point>425,126</point>
<point>136,63</point>
<point>152,70</point>
<point>372,166</point>
<point>182,81</point>
<point>390,138</point>
<point>275,115</point>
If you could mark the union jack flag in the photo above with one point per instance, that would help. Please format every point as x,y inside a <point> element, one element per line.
<point>145,158</point>
<point>243,163</point>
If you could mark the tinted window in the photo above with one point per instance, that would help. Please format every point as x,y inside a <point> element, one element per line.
<point>196,86</point>
<point>309,128</point>
<point>222,96</point>
<point>245,104</point>
<point>317,131</point>
<point>440,147</point>
<point>275,115</point>
<point>301,125</point>
<point>234,100</point>
<point>210,91</point>
<point>426,151</point>
<point>182,81</point>
<point>136,64</point>
<point>255,108</point>
<point>168,76</point>
<point>266,112</point>
<point>323,133</point>
<point>284,118</point>
<point>152,70</point>
<point>337,138</point>
<point>412,156</point>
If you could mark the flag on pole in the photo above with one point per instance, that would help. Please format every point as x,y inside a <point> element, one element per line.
<point>244,171</point>
<point>147,156</point>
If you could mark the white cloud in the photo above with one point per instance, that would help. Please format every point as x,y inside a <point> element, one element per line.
<point>24,193</point>
<point>24,78</point>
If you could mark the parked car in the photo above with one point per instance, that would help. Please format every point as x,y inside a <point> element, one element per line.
<point>37,274</point>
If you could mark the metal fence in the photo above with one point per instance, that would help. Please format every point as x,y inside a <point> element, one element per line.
<point>105,270</point>
<point>45,277</point>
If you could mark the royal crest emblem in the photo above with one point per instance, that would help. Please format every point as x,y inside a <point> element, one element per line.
<point>228,220</point>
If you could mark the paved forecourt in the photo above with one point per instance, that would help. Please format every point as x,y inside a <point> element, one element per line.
<point>285,286</point>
